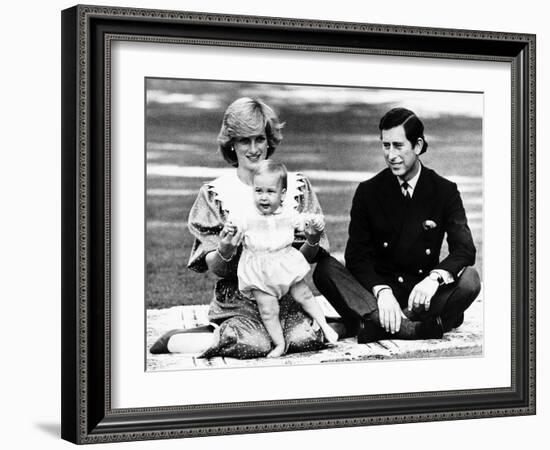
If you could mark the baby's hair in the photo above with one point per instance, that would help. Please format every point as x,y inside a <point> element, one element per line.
<point>273,167</point>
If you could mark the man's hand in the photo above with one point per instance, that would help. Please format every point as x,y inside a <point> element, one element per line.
<point>422,293</point>
<point>389,311</point>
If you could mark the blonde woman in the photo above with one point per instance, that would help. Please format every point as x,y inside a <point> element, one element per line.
<point>250,133</point>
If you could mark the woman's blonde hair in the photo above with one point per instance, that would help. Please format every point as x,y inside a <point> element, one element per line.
<point>246,117</point>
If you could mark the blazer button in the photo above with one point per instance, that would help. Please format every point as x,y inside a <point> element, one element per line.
<point>428,251</point>
<point>400,279</point>
<point>385,244</point>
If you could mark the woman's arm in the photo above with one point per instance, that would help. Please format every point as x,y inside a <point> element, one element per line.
<point>219,260</point>
<point>314,227</point>
<point>315,236</point>
<point>309,251</point>
<point>206,224</point>
<point>217,264</point>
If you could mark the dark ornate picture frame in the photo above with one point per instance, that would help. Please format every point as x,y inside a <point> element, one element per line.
<point>87,413</point>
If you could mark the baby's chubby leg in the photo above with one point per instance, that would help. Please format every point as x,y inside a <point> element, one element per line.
<point>303,295</point>
<point>269,311</point>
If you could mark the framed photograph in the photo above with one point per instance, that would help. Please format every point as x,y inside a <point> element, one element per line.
<point>180,158</point>
<point>281,224</point>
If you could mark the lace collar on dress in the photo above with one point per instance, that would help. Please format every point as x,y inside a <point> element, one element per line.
<point>235,197</point>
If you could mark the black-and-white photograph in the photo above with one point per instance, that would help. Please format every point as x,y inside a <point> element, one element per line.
<point>302,224</point>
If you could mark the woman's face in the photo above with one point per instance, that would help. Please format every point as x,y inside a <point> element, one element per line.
<point>250,150</point>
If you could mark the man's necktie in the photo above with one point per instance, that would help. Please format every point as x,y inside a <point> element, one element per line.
<point>405,186</point>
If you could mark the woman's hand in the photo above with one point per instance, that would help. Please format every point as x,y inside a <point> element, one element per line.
<point>230,238</point>
<point>314,227</point>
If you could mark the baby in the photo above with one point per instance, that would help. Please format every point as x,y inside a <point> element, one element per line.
<point>270,266</point>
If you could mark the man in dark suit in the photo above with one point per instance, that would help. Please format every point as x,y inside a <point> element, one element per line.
<point>399,286</point>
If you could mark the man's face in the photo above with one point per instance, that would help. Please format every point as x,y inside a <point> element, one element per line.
<point>400,155</point>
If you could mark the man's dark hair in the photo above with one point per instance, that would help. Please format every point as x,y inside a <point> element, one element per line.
<point>414,128</point>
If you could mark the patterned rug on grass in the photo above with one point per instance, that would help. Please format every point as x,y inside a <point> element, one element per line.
<point>465,341</point>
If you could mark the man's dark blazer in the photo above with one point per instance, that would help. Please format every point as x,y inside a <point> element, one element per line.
<point>397,243</point>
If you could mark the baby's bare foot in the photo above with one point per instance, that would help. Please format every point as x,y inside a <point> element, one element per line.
<point>277,351</point>
<point>330,335</point>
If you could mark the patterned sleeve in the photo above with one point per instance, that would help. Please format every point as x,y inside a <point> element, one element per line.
<point>205,223</point>
<point>309,204</point>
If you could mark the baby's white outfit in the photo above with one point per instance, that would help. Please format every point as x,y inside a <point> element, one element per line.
<point>268,262</point>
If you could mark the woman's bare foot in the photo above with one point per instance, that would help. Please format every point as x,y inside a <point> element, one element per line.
<point>330,335</point>
<point>277,351</point>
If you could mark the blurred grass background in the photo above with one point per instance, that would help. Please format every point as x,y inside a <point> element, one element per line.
<point>327,129</point>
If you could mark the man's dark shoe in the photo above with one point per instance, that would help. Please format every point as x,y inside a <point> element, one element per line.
<point>370,331</point>
<point>340,328</point>
<point>459,320</point>
<point>452,322</point>
<point>431,329</point>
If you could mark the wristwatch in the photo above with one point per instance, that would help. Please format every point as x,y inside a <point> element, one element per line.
<point>436,276</point>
